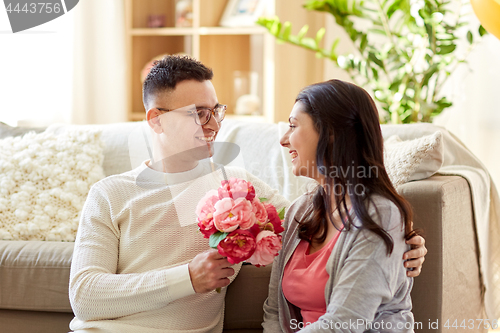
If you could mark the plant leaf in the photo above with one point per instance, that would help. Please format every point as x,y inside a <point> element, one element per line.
<point>428,74</point>
<point>319,36</point>
<point>302,32</point>
<point>334,45</point>
<point>262,199</point>
<point>363,43</point>
<point>470,38</point>
<point>445,49</point>
<point>482,31</point>
<point>275,28</point>
<point>281,213</point>
<point>376,60</point>
<point>215,238</point>
<point>287,29</point>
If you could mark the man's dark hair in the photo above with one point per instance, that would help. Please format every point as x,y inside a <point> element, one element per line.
<point>169,71</point>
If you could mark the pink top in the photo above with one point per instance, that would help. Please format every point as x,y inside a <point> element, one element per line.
<point>305,278</point>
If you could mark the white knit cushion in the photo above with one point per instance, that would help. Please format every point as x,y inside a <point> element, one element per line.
<point>44,181</point>
<point>413,159</point>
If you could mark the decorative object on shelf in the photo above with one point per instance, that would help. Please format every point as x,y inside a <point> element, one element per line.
<point>405,50</point>
<point>242,13</point>
<point>488,13</point>
<point>184,13</point>
<point>245,96</point>
<point>156,21</point>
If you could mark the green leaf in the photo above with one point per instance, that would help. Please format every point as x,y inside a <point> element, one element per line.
<point>444,102</point>
<point>281,213</point>
<point>376,60</point>
<point>398,4</point>
<point>363,43</point>
<point>263,199</point>
<point>275,28</point>
<point>470,38</point>
<point>428,74</point>
<point>334,45</point>
<point>215,239</point>
<point>445,49</point>
<point>319,36</point>
<point>378,31</point>
<point>482,31</point>
<point>303,32</point>
<point>287,30</point>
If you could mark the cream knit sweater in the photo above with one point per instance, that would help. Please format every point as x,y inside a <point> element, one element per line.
<point>137,234</point>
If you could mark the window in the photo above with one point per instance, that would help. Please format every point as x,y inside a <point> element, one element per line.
<point>36,72</point>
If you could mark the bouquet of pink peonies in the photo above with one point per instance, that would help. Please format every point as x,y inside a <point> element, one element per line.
<point>241,226</point>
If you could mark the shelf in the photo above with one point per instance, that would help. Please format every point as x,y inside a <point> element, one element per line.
<point>231,31</point>
<point>197,31</point>
<point>162,31</point>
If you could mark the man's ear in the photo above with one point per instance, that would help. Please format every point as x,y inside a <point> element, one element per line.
<point>153,117</point>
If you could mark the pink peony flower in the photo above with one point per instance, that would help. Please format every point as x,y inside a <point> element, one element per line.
<point>238,246</point>
<point>224,191</point>
<point>236,188</point>
<point>260,211</point>
<point>255,229</point>
<point>205,210</point>
<point>207,227</point>
<point>274,219</point>
<point>207,202</point>
<point>268,246</point>
<point>231,214</point>
<point>251,192</point>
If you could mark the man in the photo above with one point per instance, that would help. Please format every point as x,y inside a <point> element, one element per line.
<point>140,264</point>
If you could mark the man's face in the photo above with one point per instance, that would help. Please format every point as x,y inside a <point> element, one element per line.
<point>182,141</point>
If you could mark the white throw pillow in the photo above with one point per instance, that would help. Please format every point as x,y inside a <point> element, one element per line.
<point>413,159</point>
<point>44,181</point>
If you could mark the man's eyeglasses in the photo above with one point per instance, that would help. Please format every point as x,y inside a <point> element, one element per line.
<point>203,115</point>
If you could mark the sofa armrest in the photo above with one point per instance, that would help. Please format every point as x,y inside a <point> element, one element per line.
<point>245,298</point>
<point>449,286</point>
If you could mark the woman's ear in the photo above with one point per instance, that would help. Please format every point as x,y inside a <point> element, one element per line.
<point>153,118</point>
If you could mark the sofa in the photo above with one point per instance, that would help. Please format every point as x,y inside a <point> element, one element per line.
<point>34,275</point>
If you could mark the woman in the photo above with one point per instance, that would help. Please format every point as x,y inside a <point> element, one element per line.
<point>340,267</point>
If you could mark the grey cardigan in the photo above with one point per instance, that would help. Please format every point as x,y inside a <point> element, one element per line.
<point>368,291</point>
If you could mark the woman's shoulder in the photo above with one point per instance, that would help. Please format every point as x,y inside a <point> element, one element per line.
<point>302,203</point>
<point>384,211</point>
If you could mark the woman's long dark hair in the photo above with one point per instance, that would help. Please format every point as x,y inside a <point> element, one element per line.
<point>350,156</point>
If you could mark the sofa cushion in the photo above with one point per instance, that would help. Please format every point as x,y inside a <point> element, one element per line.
<point>34,275</point>
<point>414,159</point>
<point>44,181</point>
<point>124,144</point>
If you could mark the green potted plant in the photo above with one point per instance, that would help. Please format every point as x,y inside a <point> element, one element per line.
<point>405,50</point>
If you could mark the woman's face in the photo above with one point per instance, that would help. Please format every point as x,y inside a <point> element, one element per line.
<point>302,141</point>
